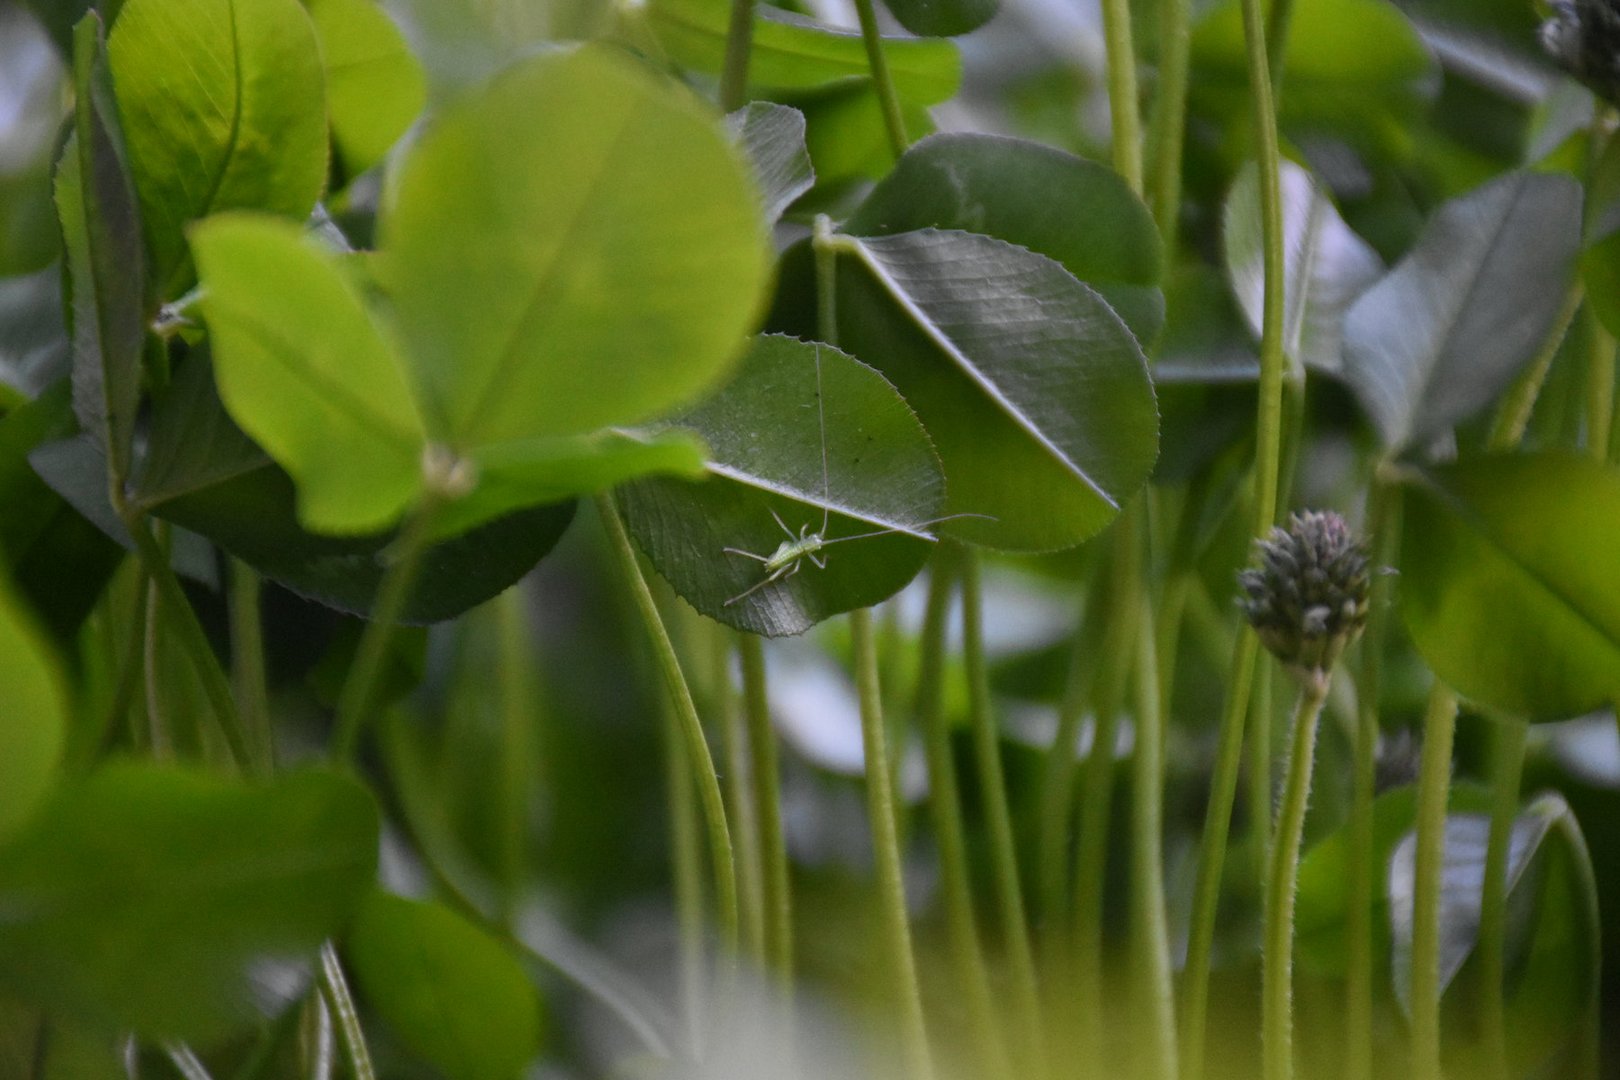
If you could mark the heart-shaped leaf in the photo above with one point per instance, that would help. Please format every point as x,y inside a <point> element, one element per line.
<point>1448,329</point>
<point>1326,265</point>
<point>33,716</point>
<point>1074,211</point>
<point>794,53</point>
<point>177,904</point>
<point>374,86</point>
<point>825,444</point>
<point>773,137</point>
<point>305,370</point>
<point>1509,584</point>
<point>101,232</point>
<point>449,991</point>
<point>1035,393</point>
<point>554,271</point>
<point>224,108</point>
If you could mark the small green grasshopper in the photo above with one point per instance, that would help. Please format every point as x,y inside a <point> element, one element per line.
<point>790,554</point>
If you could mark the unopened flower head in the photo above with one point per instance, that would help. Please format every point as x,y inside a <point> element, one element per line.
<point>1307,598</point>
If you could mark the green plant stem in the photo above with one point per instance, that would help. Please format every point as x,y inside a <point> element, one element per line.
<point>691,728</point>
<point>1170,117</point>
<point>739,43</point>
<point>740,789</point>
<point>335,989</point>
<point>159,740</point>
<point>767,788</point>
<point>357,699</point>
<point>1434,785</point>
<point>1600,369</point>
<point>893,121</point>
<point>1276,977</point>
<point>1150,930</point>
<point>1382,529</point>
<point>1097,785</point>
<point>1282,13</point>
<point>1262,737</point>
<point>131,674</point>
<point>1212,855</point>
<point>515,676</point>
<point>886,849</point>
<point>1508,740</point>
<point>247,665</point>
<point>1026,1002</point>
<point>971,976</point>
<point>686,873</point>
<point>1122,92</point>
<point>1513,416</point>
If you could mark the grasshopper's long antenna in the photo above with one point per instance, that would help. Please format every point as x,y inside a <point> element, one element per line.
<point>919,525</point>
<point>821,417</point>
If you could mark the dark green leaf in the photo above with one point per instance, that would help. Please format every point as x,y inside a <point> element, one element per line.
<point>1600,261</point>
<point>101,228</point>
<point>1508,581</point>
<point>450,992</point>
<point>794,53</point>
<point>1326,265</point>
<point>942,18</point>
<point>554,271</point>
<point>178,904</point>
<point>34,706</point>
<point>374,85</point>
<point>1448,329</point>
<point>765,436</point>
<point>307,372</point>
<point>224,108</point>
<point>773,137</point>
<point>1068,209</point>
<point>1035,394</point>
<point>191,442</point>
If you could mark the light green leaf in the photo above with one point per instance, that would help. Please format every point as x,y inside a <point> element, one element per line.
<point>794,53</point>
<point>1450,327</point>
<point>557,270</point>
<point>1035,393</point>
<point>1509,584</point>
<point>101,231</point>
<point>178,904</point>
<point>1326,265</point>
<point>224,108</point>
<point>765,433</point>
<point>1074,211</point>
<point>448,990</point>
<point>374,85</point>
<point>305,370</point>
<point>773,137</point>
<point>33,717</point>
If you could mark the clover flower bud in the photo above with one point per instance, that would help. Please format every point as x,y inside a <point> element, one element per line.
<point>1584,37</point>
<point>1307,598</point>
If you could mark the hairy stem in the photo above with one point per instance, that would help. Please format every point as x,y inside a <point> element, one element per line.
<point>1434,787</point>
<point>886,849</point>
<point>686,873</point>
<point>1148,921</point>
<point>776,884</point>
<point>893,122</point>
<point>1276,977</point>
<point>739,43</point>
<point>1508,739</point>
<point>1122,92</point>
<point>335,989</point>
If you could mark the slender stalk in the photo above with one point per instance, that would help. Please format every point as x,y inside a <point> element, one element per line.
<point>893,122</point>
<point>1096,801</point>
<point>1600,369</point>
<point>686,871</point>
<point>1277,983</point>
<point>1262,737</point>
<point>335,989</point>
<point>1282,13</point>
<point>691,728</point>
<point>777,900</point>
<point>357,699</point>
<point>1382,528</point>
<point>1026,1002</point>
<point>247,665</point>
<point>1150,930</point>
<point>886,849</point>
<point>1212,856</point>
<point>1513,416</point>
<point>1434,784</point>
<point>740,789</point>
<point>971,976</point>
<point>1122,92</point>
<point>159,741</point>
<point>1170,117</point>
<point>515,675</point>
<point>739,43</point>
<point>1508,740</point>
